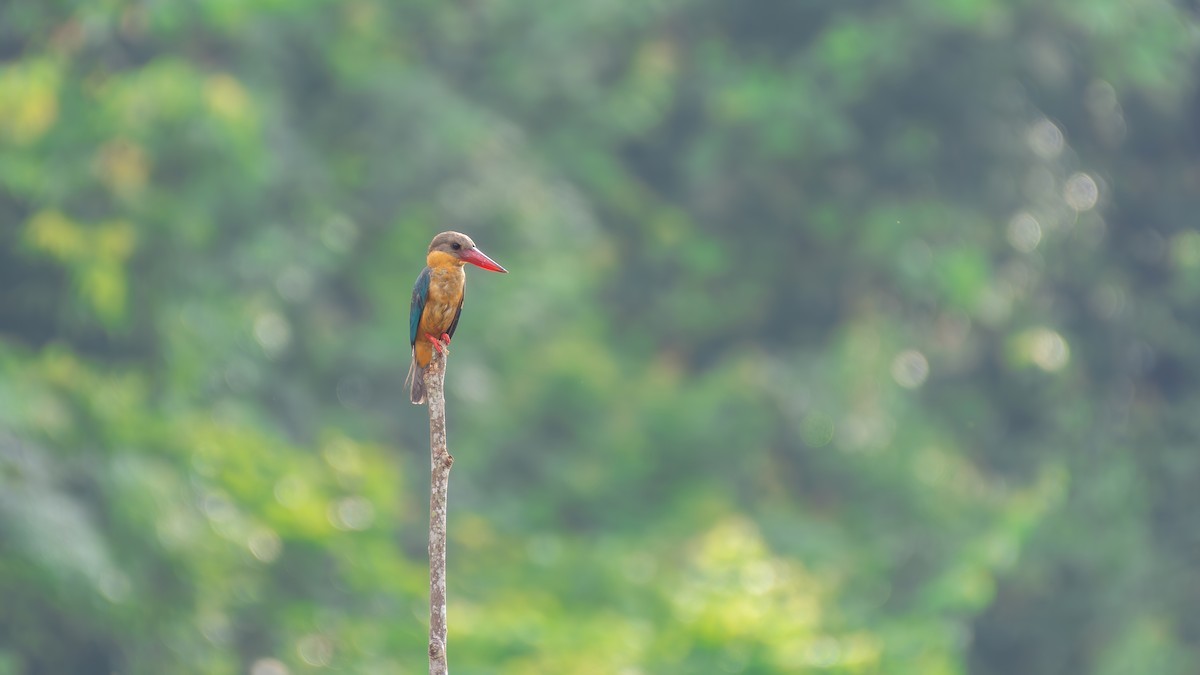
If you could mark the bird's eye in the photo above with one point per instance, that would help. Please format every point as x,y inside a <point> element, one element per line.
<point>456,246</point>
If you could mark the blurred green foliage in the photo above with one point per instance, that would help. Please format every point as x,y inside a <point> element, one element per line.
<point>842,337</point>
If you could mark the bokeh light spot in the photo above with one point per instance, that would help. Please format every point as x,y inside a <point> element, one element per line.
<point>1081,192</point>
<point>342,455</point>
<point>215,628</point>
<point>218,508</point>
<point>1024,232</point>
<point>1050,351</point>
<point>268,667</point>
<point>1045,139</point>
<point>1107,301</point>
<point>1047,349</point>
<point>316,650</point>
<point>866,432</point>
<point>353,391</point>
<point>910,369</point>
<point>352,513</point>
<point>176,529</point>
<point>265,545</point>
<point>272,332</point>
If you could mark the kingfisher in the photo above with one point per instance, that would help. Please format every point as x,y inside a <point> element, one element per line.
<point>437,301</point>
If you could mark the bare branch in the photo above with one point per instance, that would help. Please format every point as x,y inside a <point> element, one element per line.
<point>435,377</point>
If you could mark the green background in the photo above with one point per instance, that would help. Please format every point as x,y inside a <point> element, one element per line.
<point>841,336</point>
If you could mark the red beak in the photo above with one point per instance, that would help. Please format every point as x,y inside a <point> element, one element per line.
<point>478,259</point>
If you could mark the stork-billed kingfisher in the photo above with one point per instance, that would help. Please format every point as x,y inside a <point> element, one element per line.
<point>437,301</point>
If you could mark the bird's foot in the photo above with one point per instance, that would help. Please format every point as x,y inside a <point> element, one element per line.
<point>443,349</point>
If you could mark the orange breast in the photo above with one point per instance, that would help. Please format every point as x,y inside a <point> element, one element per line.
<point>437,318</point>
<point>446,285</point>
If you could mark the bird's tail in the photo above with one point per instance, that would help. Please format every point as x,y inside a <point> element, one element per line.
<point>416,379</point>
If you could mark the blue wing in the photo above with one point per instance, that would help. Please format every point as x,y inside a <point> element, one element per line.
<point>417,308</point>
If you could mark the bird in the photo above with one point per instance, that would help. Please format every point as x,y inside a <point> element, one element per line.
<point>437,301</point>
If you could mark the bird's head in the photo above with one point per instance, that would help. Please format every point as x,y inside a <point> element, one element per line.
<point>459,246</point>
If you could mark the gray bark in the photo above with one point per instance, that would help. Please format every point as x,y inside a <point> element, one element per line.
<point>435,376</point>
